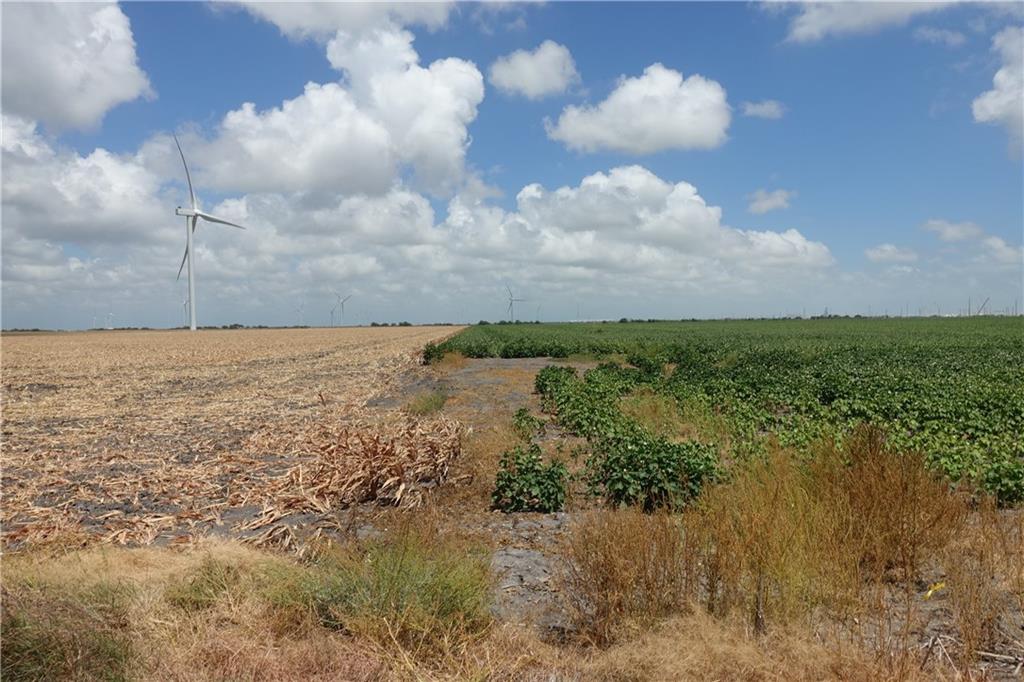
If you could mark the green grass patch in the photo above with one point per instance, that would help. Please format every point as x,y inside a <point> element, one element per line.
<point>427,403</point>
<point>49,634</point>
<point>411,590</point>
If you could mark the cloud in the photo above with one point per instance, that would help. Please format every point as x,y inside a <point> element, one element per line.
<point>355,136</point>
<point>56,195</point>
<point>890,253</point>
<point>548,70</point>
<point>68,64</point>
<point>939,36</point>
<point>653,112</point>
<point>763,201</point>
<point>768,108</point>
<point>989,249</point>
<point>622,228</point>
<point>818,20</point>
<point>953,232</point>
<point>998,250</point>
<point>1004,103</point>
<point>664,225</point>
<point>321,20</point>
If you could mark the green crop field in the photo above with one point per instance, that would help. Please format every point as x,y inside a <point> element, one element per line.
<point>950,388</point>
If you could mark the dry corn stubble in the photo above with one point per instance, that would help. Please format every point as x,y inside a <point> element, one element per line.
<point>138,436</point>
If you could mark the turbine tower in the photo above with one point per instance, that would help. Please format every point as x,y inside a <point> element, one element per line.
<point>512,300</point>
<point>192,216</point>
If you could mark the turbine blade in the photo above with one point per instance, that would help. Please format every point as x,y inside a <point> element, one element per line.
<point>509,291</point>
<point>215,219</point>
<point>346,298</point>
<point>191,194</point>
<point>182,266</point>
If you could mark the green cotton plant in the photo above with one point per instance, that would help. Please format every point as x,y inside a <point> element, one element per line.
<point>525,484</point>
<point>525,425</point>
<point>633,467</point>
<point>1004,478</point>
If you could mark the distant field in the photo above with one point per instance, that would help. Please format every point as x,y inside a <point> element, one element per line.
<point>147,434</point>
<point>952,388</point>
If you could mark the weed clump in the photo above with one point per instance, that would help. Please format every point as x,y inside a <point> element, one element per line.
<point>427,403</point>
<point>625,570</point>
<point>410,591</point>
<point>203,586</point>
<point>48,635</point>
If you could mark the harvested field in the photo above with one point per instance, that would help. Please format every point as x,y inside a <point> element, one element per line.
<point>143,437</point>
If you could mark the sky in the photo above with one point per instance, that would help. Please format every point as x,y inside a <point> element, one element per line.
<point>601,160</point>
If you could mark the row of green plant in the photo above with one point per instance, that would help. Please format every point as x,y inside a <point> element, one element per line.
<point>951,389</point>
<point>627,464</point>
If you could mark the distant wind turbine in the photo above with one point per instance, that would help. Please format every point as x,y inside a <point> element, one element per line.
<point>299,310</point>
<point>512,300</point>
<point>192,216</point>
<point>341,304</point>
<point>184,312</point>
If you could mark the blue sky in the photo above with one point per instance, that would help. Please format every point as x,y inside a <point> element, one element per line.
<point>888,183</point>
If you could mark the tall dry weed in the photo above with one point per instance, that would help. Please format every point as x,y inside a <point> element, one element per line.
<point>627,569</point>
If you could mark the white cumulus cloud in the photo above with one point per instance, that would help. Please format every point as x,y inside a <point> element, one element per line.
<point>321,20</point>
<point>656,111</point>
<point>68,64</point>
<point>769,108</point>
<point>763,201</point>
<point>357,135</point>
<point>953,232</point>
<point>1001,252</point>
<point>815,21</point>
<point>56,195</point>
<point>890,253</point>
<point>1004,103</point>
<point>547,70</point>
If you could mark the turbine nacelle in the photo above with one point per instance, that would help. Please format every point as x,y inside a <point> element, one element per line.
<point>187,212</point>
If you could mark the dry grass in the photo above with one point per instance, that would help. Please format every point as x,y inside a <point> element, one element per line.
<point>410,601</point>
<point>133,436</point>
<point>450,361</point>
<point>625,570</point>
<point>699,647</point>
<point>842,549</point>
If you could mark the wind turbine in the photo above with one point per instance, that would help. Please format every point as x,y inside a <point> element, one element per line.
<point>192,216</point>
<point>299,310</point>
<point>512,300</point>
<point>184,313</point>
<point>341,304</point>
